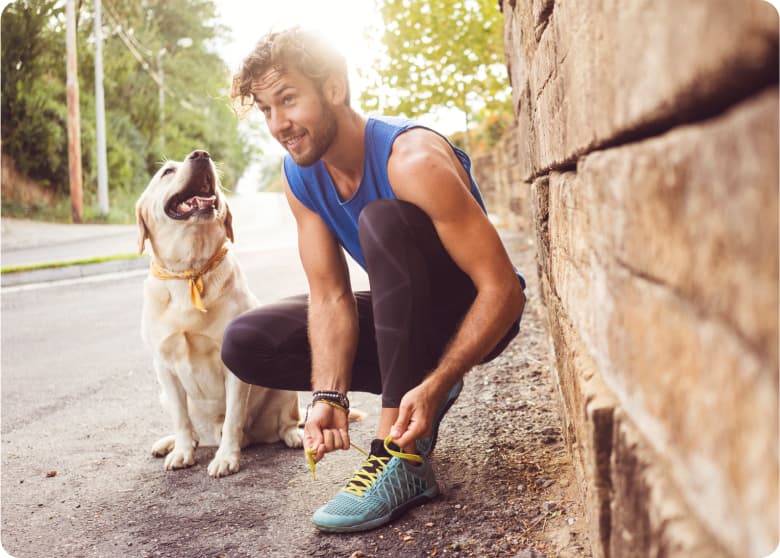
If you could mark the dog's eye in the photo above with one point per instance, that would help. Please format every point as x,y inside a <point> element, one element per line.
<point>169,170</point>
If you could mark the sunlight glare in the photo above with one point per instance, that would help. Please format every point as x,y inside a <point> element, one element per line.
<point>349,25</point>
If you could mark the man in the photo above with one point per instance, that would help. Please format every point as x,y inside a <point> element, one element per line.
<point>444,295</point>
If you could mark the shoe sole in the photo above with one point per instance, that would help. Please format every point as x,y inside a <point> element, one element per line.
<point>423,498</point>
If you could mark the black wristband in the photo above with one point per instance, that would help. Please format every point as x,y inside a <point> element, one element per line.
<point>336,397</point>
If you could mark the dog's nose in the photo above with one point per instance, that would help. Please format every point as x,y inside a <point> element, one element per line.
<point>198,154</point>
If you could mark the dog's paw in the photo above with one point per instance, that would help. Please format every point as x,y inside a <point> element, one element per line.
<point>163,446</point>
<point>224,463</point>
<point>180,458</point>
<point>293,437</point>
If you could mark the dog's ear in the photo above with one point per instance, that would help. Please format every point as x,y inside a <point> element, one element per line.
<point>143,231</point>
<point>229,223</point>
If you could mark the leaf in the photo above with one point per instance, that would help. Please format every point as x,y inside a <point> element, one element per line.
<point>440,54</point>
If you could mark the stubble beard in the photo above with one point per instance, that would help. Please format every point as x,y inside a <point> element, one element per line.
<point>321,140</point>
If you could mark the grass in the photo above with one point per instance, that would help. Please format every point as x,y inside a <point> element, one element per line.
<point>121,212</point>
<point>52,265</point>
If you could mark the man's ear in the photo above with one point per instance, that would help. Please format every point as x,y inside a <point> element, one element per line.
<point>335,88</point>
<point>143,231</point>
<point>229,223</point>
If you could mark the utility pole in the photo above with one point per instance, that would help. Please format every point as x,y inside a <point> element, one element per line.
<point>100,116</point>
<point>161,100</point>
<point>74,125</point>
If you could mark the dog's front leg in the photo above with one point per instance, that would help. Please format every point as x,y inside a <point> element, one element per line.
<point>174,398</point>
<point>226,460</point>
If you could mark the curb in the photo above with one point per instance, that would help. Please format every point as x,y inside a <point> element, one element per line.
<point>75,271</point>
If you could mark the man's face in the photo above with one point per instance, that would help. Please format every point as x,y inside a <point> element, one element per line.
<point>298,116</point>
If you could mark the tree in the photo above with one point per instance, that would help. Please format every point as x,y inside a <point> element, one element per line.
<point>138,37</point>
<point>175,37</point>
<point>441,53</point>
<point>33,90</point>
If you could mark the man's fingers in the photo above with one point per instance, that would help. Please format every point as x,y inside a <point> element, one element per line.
<point>344,438</point>
<point>329,442</point>
<point>413,431</point>
<point>334,439</point>
<point>312,441</point>
<point>401,424</point>
<point>325,431</point>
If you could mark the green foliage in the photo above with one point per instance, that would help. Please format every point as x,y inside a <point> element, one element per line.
<point>142,41</point>
<point>440,53</point>
<point>33,91</point>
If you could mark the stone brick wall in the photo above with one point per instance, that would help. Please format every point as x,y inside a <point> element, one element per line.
<point>647,138</point>
<point>502,186</point>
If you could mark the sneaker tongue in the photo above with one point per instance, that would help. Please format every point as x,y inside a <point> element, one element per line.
<point>378,448</point>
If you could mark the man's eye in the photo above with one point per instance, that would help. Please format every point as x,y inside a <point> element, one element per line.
<point>169,170</point>
<point>288,99</point>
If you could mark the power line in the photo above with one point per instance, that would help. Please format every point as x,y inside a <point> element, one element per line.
<point>145,64</point>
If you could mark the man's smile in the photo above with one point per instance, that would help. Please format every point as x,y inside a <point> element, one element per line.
<point>291,142</point>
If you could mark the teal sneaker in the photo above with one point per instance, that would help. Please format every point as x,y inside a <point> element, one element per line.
<point>387,485</point>
<point>425,445</point>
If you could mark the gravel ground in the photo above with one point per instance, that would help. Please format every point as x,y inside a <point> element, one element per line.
<point>79,480</point>
<point>507,480</point>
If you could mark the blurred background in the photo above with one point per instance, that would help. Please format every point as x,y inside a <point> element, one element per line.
<point>167,66</point>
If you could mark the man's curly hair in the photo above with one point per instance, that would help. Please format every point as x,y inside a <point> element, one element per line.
<point>305,50</point>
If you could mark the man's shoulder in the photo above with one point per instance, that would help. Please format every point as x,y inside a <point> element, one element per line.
<point>419,141</point>
<point>389,121</point>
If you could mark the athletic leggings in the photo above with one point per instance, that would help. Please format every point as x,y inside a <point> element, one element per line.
<point>417,300</point>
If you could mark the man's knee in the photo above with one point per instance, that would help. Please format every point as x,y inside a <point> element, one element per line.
<point>240,349</point>
<point>385,220</point>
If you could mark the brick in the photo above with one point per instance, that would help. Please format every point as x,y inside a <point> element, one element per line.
<point>604,71</point>
<point>679,313</point>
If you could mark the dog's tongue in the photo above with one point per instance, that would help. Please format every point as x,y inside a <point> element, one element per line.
<point>196,202</point>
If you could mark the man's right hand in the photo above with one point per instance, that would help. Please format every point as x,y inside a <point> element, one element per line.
<point>325,430</point>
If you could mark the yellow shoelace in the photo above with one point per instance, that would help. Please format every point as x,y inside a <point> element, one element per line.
<point>366,475</point>
<point>363,478</point>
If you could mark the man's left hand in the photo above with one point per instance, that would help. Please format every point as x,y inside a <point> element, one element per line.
<point>415,415</point>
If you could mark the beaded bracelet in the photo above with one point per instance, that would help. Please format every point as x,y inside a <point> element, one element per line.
<point>338,398</point>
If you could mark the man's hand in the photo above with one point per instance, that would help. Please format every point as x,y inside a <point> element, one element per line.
<point>415,415</point>
<point>326,429</point>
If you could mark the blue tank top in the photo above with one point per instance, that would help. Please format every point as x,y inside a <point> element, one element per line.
<point>314,188</point>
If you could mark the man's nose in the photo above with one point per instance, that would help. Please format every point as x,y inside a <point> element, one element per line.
<point>278,122</point>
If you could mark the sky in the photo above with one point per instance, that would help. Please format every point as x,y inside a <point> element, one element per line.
<point>343,22</point>
<point>353,26</point>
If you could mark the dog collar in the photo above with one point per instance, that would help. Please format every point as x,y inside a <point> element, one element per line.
<point>194,276</point>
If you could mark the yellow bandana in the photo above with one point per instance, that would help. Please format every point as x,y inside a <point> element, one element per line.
<point>195,277</point>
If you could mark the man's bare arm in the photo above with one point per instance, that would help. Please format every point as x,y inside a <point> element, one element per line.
<point>333,325</point>
<point>423,170</point>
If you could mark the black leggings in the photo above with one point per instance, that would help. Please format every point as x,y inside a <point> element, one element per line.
<point>417,300</point>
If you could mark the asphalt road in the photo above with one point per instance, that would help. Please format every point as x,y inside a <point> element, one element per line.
<point>80,411</point>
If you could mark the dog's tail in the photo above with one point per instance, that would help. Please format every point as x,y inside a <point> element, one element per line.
<point>356,415</point>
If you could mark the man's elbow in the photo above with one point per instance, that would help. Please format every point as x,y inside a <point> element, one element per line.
<point>507,297</point>
<point>516,299</point>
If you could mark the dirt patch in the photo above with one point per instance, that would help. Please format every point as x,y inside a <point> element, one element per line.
<point>19,188</point>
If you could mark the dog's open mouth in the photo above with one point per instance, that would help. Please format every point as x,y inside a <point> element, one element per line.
<point>198,198</point>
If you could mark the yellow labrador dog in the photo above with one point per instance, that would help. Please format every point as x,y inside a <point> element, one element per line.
<point>194,288</point>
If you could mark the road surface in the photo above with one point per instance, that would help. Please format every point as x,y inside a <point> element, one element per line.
<point>80,412</point>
